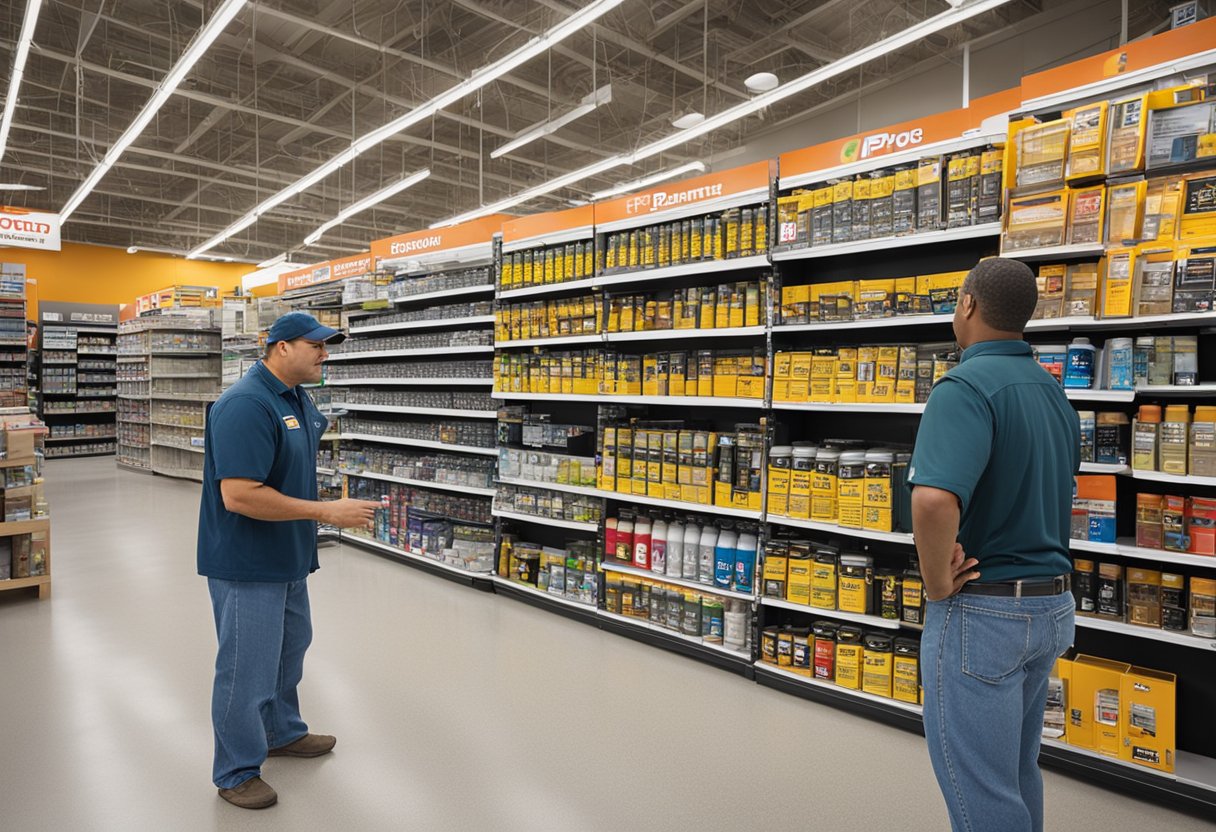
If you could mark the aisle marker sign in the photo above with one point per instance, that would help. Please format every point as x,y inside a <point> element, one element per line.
<point>330,270</point>
<point>22,228</point>
<point>548,223</point>
<point>432,240</point>
<point>689,192</point>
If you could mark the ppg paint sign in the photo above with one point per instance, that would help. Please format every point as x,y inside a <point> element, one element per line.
<point>879,143</point>
<point>29,229</point>
<point>664,200</point>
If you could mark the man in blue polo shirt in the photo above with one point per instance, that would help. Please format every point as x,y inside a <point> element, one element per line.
<point>257,544</point>
<point>992,473</point>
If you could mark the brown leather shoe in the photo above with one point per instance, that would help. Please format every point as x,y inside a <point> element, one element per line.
<point>309,745</point>
<point>254,793</point>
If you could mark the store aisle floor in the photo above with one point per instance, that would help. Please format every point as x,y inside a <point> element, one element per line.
<point>454,709</point>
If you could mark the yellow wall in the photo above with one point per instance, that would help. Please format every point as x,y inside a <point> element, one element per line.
<point>98,274</point>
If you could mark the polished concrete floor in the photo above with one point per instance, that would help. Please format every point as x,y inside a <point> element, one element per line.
<point>454,709</point>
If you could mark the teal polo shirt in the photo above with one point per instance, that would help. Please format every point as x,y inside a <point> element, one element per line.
<point>259,429</point>
<point>999,433</point>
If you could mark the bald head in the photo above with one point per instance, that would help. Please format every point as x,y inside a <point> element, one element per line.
<point>1005,292</point>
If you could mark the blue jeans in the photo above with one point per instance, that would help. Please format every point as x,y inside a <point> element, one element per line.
<point>985,664</point>
<point>263,630</point>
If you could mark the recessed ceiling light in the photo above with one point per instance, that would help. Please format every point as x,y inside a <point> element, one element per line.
<point>761,82</point>
<point>688,120</point>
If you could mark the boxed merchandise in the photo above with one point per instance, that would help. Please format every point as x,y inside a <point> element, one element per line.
<point>1036,221</point>
<point>821,216</point>
<point>1087,215</point>
<point>929,193</point>
<point>1042,150</point>
<point>1125,212</point>
<point>1144,597</point>
<point>1154,282</point>
<point>861,207</point>
<point>961,184</point>
<point>1198,208</point>
<point>1080,299</point>
<point>1094,714</point>
<point>1051,283</point>
<point>1195,280</point>
<point>1148,702</point>
<point>1119,266</point>
<point>1126,147</point>
<point>1087,141</point>
<point>903,200</point>
<point>882,204</point>
<point>1179,127</point>
<point>1093,512</point>
<point>992,171</point>
<point>842,211</point>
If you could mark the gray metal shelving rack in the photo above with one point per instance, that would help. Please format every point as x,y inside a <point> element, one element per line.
<point>78,350</point>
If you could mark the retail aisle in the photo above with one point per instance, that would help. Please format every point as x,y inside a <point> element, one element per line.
<point>454,709</point>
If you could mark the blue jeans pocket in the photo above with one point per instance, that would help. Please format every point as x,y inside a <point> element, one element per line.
<point>995,644</point>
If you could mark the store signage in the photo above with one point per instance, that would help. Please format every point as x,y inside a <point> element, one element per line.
<point>548,223</point>
<point>326,272</point>
<point>941,127</point>
<point>1144,54</point>
<point>430,241</point>
<point>701,189</point>
<point>29,229</point>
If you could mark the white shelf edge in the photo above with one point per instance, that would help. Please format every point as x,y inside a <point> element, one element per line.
<point>439,486</point>
<point>868,620</point>
<point>1081,395</point>
<point>685,401</point>
<point>1130,550</point>
<point>697,586</point>
<point>479,289</point>
<point>1103,468</point>
<point>811,681</point>
<point>187,448</point>
<point>586,491</point>
<point>547,288</point>
<point>549,342</point>
<point>1157,476</point>
<point>680,505</point>
<point>755,261</point>
<point>411,554</point>
<point>570,235</point>
<point>1051,252</point>
<point>862,407</point>
<point>463,350</point>
<point>546,521</point>
<point>677,334</point>
<point>869,323</point>
<point>642,624</point>
<point>833,528</point>
<point>1153,633</point>
<point>422,411</point>
<point>989,229</point>
<point>437,323</point>
<point>418,443</point>
<point>1206,389</point>
<point>364,381</point>
<point>531,590</point>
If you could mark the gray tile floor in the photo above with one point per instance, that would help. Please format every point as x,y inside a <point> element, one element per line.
<point>454,709</point>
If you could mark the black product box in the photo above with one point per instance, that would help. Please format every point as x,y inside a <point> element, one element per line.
<point>1195,283</point>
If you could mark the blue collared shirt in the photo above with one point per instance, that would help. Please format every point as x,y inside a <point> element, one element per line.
<point>259,429</point>
<point>999,433</point>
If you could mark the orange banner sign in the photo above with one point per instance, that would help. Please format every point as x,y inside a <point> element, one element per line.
<point>325,272</point>
<point>551,222</point>
<point>907,135</point>
<point>1132,57</point>
<point>432,240</point>
<point>687,192</point>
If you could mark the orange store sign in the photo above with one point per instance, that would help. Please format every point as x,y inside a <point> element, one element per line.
<point>706,188</point>
<point>325,272</point>
<point>551,222</point>
<point>904,136</point>
<point>439,239</point>
<point>1132,57</point>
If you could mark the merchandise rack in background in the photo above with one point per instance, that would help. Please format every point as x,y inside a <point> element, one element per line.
<point>77,372</point>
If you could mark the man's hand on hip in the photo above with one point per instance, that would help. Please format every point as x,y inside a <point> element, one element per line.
<point>348,514</point>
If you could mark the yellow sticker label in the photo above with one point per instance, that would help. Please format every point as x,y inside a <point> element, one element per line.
<point>292,422</point>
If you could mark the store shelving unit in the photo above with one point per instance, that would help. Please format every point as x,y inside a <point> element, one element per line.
<point>134,404</point>
<point>14,343</point>
<point>78,388</point>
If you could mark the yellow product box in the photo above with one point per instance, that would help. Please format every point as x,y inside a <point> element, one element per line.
<point>867,361</point>
<point>798,585</point>
<point>779,490</point>
<point>905,382</point>
<point>1198,208</point>
<point>606,472</point>
<point>709,309</point>
<point>1161,203</point>
<point>848,664</point>
<point>1120,269</point>
<point>624,459</point>
<point>1125,212</point>
<point>795,304</point>
<point>846,375</point>
<point>823,584</point>
<point>1128,120</point>
<point>722,494</point>
<point>586,386</point>
<point>1036,221</point>
<point>776,573</point>
<point>1041,153</point>
<point>677,368</point>
<point>654,465</point>
<point>1087,141</point>
<point>823,377</point>
<point>726,375</point>
<point>737,313</point>
<point>753,304</point>
<point>800,367</point>
<point>1148,699</point>
<point>641,461</point>
<point>823,493</point>
<point>787,220</point>
<point>1094,717</point>
<point>705,373</point>
<point>905,674</point>
<point>722,306</point>
<point>1087,215</point>
<point>799,504</point>
<point>886,371</point>
<point>782,365</point>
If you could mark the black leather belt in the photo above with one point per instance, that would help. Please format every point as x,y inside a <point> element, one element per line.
<point>1037,587</point>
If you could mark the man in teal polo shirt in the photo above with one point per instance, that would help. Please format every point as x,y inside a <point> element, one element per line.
<point>257,544</point>
<point>993,469</point>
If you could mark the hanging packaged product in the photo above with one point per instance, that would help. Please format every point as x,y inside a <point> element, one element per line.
<point>825,650</point>
<point>855,593</point>
<point>862,192</point>
<point>1179,127</point>
<point>882,204</point>
<point>1085,585</point>
<point>1087,141</point>
<point>992,172</point>
<point>821,216</point>
<point>1120,264</point>
<point>1127,123</point>
<point>842,211</point>
<point>1197,222</point>
<point>1154,282</point>
<point>1041,151</point>
<point>1125,212</point>
<point>903,201</point>
<point>877,664</point>
<point>1162,205</point>
<point>929,193</point>
<point>1036,221</point>
<point>849,656</point>
<point>905,671</point>
<point>1085,224</point>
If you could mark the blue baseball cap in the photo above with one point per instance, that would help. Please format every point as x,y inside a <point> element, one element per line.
<point>295,325</point>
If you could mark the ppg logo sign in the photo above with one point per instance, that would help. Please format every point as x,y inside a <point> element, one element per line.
<point>877,143</point>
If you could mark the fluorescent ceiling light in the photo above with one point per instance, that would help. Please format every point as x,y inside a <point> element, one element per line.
<point>537,131</point>
<point>746,108</point>
<point>480,78</point>
<point>14,80</point>
<point>647,181</point>
<point>367,202</point>
<point>201,43</point>
<point>22,188</point>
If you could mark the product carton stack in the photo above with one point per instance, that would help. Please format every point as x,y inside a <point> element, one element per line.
<point>25,554</point>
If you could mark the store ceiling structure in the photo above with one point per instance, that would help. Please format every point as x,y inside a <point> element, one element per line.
<point>290,83</point>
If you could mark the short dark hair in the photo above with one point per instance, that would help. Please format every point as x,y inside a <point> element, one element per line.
<point>1005,291</point>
